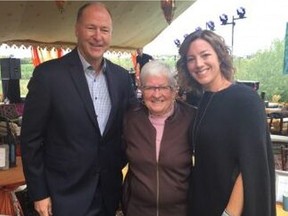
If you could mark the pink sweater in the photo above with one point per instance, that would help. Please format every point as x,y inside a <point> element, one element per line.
<point>159,122</point>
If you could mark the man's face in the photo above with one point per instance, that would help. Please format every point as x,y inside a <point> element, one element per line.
<point>94,32</point>
<point>139,51</point>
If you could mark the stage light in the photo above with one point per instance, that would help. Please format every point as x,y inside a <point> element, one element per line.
<point>210,25</point>
<point>241,12</point>
<point>177,42</point>
<point>223,19</point>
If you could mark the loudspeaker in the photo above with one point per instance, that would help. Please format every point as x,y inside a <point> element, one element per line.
<point>11,90</point>
<point>10,68</point>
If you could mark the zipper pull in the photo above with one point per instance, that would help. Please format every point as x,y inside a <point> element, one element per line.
<point>193,159</point>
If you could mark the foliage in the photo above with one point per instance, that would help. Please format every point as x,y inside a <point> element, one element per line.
<point>265,66</point>
<point>125,61</point>
<point>170,60</point>
<point>26,70</point>
<point>26,73</point>
<point>26,60</point>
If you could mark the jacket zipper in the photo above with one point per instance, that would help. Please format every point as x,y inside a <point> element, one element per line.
<point>157,189</point>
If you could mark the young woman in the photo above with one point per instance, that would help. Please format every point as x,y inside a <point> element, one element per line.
<point>234,168</point>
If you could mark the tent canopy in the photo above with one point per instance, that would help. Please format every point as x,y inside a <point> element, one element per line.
<point>43,24</point>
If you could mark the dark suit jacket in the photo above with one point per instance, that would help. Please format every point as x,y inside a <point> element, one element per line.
<point>64,155</point>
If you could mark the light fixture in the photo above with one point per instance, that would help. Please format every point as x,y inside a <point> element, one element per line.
<point>168,7</point>
<point>60,5</point>
<point>241,12</point>
<point>210,25</point>
<point>177,42</point>
<point>224,21</point>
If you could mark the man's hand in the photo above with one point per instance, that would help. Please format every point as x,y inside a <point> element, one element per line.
<point>43,207</point>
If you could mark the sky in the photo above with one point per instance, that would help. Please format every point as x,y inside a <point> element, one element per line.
<point>265,22</point>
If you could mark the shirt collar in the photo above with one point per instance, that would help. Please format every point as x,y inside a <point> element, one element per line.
<point>87,67</point>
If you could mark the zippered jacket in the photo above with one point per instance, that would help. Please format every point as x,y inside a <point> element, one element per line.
<point>160,187</point>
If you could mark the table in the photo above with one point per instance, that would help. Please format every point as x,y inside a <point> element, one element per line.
<point>9,180</point>
<point>272,110</point>
<point>280,211</point>
<point>13,176</point>
<point>280,117</point>
<point>280,145</point>
<point>280,139</point>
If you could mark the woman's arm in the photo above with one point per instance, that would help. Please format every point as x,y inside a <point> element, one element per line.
<point>236,201</point>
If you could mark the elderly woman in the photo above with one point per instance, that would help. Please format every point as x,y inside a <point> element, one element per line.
<point>157,147</point>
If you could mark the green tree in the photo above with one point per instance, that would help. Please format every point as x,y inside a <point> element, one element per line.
<point>265,66</point>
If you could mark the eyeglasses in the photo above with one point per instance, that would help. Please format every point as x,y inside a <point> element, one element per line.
<point>163,89</point>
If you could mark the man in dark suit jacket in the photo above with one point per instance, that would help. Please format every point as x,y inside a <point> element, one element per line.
<point>72,125</point>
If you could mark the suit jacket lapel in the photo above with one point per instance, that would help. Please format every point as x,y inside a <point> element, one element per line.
<point>111,80</point>
<point>80,82</point>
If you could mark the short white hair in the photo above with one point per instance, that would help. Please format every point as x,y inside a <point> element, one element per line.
<point>157,68</point>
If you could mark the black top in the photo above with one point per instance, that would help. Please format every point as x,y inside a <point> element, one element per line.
<point>143,59</point>
<point>231,136</point>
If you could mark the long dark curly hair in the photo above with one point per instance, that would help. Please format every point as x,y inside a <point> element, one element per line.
<point>186,81</point>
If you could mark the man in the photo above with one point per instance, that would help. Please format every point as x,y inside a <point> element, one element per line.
<point>142,58</point>
<point>72,124</point>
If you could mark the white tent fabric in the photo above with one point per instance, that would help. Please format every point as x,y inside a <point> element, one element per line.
<point>41,23</point>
